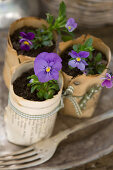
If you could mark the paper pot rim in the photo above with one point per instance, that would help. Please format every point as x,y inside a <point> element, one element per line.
<point>23,101</point>
<point>64,45</point>
<point>26,22</point>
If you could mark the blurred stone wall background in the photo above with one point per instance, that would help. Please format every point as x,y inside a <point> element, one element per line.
<point>87,13</point>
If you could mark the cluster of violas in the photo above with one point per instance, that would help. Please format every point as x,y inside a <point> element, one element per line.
<point>48,65</point>
<point>26,38</point>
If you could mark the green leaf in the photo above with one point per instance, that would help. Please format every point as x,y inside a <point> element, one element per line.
<point>37,45</point>
<point>71,67</point>
<point>40,94</point>
<point>47,43</point>
<point>33,88</point>
<point>91,72</point>
<point>28,85</point>
<point>53,81</point>
<point>31,31</point>
<point>66,38</point>
<point>46,96</point>
<point>50,18</point>
<point>43,90</point>
<point>90,56</point>
<point>90,49</point>
<point>62,9</point>
<point>44,37</point>
<point>33,77</point>
<point>100,68</point>
<point>50,35</point>
<point>29,77</point>
<point>98,57</point>
<point>54,86</point>
<point>72,34</point>
<point>45,85</point>
<point>88,42</point>
<point>31,47</point>
<point>39,86</point>
<point>47,36</point>
<point>75,47</point>
<point>80,47</point>
<point>49,94</point>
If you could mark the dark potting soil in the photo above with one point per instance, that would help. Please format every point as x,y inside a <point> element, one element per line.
<point>75,71</point>
<point>21,89</point>
<point>32,53</point>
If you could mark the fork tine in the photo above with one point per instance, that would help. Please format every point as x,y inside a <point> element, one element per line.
<point>27,165</point>
<point>33,158</point>
<point>24,155</point>
<point>19,152</point>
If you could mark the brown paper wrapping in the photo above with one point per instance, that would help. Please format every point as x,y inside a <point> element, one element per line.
<point>12,58</point>
<point>85,82</point>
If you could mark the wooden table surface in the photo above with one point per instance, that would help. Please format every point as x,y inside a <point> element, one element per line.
<point>106,34</point>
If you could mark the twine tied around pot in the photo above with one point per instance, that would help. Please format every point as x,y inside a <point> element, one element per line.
<point>68,94</point>
<point>31,117</point>
<point>84,99</point>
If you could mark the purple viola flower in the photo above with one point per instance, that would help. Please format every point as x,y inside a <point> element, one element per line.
<point>108,81</point>
<point>71,24</point>
<point>25,41</point>
<point>25,44</point>
<point>47,66</point>
<point>77,59</point>
<point>31,81</point>
<point>28,36</point>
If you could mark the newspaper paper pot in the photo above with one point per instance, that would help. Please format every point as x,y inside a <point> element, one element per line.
<point>11,57</point>
<point>28,121</point>
<point>83,91</point>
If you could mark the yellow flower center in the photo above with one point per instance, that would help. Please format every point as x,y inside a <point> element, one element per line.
<point>69,27</point>
<point>108,79</point>
<point>25,42</point>
<point>78,58</point>
<point>48,69</point>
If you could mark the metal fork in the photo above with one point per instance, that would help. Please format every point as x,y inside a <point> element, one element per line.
<point>42,151</point>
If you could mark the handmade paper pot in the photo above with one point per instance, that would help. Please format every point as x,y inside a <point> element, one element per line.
<point>83,91</point>
<point>12,58</point>
<point>28,121</point>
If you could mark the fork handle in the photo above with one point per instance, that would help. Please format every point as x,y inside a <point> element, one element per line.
<point>64,134</point>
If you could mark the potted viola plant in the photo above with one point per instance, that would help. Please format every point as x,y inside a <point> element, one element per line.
<point>34,99</point>
<point>30,36</point>
<point>85,61</point>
